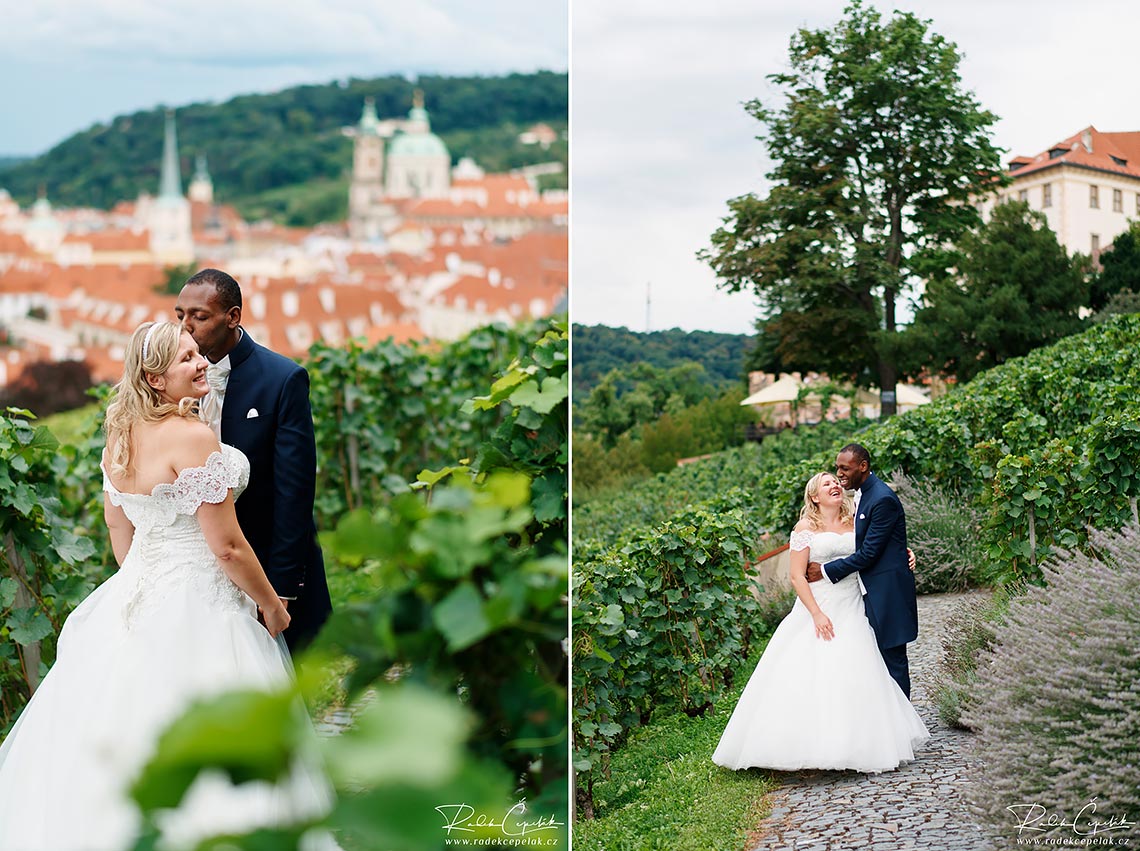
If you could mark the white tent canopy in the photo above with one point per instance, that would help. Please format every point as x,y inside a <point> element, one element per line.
<point>787,389</point>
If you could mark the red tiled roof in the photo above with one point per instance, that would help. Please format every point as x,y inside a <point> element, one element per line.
<point>112,240</point>
<point>1118,153</point>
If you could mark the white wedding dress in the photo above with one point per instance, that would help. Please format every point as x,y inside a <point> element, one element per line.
<point>168,628</point>
<point>812,703</point>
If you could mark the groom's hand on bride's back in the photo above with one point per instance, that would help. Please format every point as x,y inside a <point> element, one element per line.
<point>814,571</point>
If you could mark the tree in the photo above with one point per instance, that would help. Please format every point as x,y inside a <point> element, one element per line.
<point>878,153</point>
<point>48,387</point>
<point>1015,289</point>
<point>1120,269</point>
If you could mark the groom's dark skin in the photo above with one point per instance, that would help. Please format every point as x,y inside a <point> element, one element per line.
<point>851,474</point>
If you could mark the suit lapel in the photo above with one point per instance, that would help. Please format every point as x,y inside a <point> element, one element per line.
<point>864,504</point>
<point>236,405</point>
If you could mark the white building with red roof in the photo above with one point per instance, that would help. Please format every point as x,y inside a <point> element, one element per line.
<point>1087,186</point>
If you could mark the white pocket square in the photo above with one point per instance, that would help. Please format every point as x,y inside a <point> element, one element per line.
<point>252,414</point>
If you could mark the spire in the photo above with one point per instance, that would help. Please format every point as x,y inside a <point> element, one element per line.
<point>200,170</point>
<point>171,185</point>
<point>418,121</point>
<point>368,119</point>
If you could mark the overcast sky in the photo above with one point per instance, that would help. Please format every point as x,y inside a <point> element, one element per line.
<point>67,64</point>
<point>661,141</point>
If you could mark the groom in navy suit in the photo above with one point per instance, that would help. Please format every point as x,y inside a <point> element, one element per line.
<point>259,402</point>
<point>880,557</point>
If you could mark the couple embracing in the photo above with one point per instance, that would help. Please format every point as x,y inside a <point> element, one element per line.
<point>832,690</point>
<point>209,590</point>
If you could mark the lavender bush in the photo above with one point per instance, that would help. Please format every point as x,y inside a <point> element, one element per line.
<point>1057,702</point>
<point>942,529</point>
<point>970,631</point>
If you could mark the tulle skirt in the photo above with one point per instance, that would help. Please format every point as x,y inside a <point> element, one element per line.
<point>119,680</point>
<point>821,704</point>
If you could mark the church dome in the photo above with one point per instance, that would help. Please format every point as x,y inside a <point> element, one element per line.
<point>417,145</point>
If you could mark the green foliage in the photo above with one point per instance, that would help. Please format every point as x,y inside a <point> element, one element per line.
<point>259,143</point>
<point>611,519</point>
<point>665,793</point>
<point>471,580</point>
<point>663,620</point>
<point>942,529</point>
<point>42,555</point>
<point>878,151</point>
<point>1120,270</point>
<point>641,393</point>
<point>599,471</point>
<point>599,350</point>
<point>387,781</point>
<point>386,412</point>
<point>174,278</point>
<point>1125,301</point>
<point>1056,704</point>
<point>1014,289</point>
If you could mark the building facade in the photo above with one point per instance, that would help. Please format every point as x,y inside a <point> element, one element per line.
<point>1087,186</point>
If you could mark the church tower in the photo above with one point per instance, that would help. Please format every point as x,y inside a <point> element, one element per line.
<point>367,210</point>
<point>201,186</point>
<point>419,165</point>
<point>171,238</point>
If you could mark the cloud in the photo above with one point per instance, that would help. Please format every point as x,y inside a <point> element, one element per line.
<point>82,61</point>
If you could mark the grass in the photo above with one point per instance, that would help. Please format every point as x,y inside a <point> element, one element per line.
<point>666,794</point>
<point>72,427</point>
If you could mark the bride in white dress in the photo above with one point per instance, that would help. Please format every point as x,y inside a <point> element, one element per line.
<point>820,696</point>
<point>177,622</point>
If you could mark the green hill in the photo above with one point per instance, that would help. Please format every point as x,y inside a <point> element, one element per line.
<point>260,147</point>
<point>599,349</point>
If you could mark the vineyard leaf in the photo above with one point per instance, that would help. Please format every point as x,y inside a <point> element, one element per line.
<point>459,616</point>
<point>28,626</point>
<point>543,400</point>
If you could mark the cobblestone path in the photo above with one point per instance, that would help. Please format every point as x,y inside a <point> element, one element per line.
<point>919,806</point>
<point>337,721</point>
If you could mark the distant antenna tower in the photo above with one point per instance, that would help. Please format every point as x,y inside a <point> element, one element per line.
<point>648,300</point>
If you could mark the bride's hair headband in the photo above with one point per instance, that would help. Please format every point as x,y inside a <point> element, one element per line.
<point>146,340</point>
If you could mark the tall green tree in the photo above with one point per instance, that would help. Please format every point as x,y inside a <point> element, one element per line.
<point>1015,289</point>
<point>1120,269</point>
<point>878,150</point>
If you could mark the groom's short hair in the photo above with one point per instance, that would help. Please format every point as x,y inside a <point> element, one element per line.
<point>229,293</point>
<point>859,451</point>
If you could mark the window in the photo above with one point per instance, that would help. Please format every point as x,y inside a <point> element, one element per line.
<point>1023,195</point>
<point>1117,201</point>
<point>1047,196</point>
<point>1095,247</point>
<point>1094,197</point>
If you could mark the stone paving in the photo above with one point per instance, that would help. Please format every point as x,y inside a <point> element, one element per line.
<point>918,806</point>
<point>337,721</point>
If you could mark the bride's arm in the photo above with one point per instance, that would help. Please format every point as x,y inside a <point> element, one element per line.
<point>226,541</point>
<point>799,563</point>
<point>121,529</point>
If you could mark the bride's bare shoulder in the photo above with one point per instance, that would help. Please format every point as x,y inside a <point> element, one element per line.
<point>191,441</point>
<point>803,526</point>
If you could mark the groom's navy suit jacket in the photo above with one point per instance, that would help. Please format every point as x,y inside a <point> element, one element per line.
<point>266,415</point>
<point>881,560</point>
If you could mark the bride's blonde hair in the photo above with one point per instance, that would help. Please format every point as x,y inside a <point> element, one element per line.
<point>151,351</point>
<point>811,512</point>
